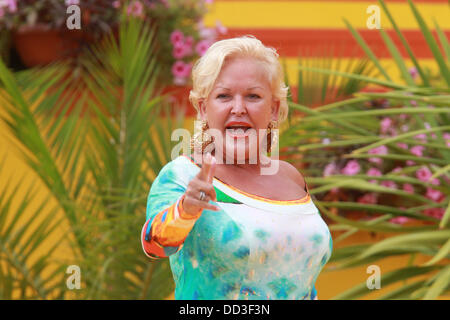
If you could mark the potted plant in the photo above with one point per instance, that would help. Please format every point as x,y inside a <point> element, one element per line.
<point>40,34</point>
<point>39,31</point>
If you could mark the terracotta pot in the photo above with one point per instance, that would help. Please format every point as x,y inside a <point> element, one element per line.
<point>40,46</point>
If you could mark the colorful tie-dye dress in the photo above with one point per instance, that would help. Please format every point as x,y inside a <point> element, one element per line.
<point>253,248</point>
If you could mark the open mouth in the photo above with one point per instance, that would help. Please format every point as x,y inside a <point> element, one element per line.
<point>238,129</point>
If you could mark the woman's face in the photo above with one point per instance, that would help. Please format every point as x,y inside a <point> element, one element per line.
<point>239,105</point>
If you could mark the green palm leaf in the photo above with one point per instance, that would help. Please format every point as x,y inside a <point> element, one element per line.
<point>23,232</point>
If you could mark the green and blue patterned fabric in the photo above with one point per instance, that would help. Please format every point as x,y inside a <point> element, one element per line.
<point>253,248</point>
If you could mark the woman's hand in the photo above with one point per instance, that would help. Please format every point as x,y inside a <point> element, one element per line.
<point>193,202</point>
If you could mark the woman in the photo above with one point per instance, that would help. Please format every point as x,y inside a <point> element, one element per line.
<point>230,231</point>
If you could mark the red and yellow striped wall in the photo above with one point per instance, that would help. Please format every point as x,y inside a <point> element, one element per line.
<point>304,26</point>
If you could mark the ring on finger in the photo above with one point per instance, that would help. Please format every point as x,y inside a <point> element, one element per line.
<point>202,196</point>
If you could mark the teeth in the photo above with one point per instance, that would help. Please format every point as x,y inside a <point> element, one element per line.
<point>236,130</point>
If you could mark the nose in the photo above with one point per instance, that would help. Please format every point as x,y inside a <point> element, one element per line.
<point>238,107</point>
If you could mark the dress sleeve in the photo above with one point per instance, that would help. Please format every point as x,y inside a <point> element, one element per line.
<point>167,225</point>
<point>314,294</point>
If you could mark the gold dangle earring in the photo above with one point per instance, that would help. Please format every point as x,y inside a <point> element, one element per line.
<point>201,138</point>
<point>272,135</point>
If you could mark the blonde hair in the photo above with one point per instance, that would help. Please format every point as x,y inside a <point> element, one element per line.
<point>207,68</point>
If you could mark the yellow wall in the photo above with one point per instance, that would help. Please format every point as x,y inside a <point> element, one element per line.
<point>259,14</point>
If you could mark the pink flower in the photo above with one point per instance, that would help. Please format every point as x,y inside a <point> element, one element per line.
<point>408,187</point>
<point>421,136</point>
<point>385,124</point>
<point>136,8</point>
<point>437,213</point>
<point>368,198</point>
<point>393,131</point>
<point>189,41</point>
<point>207,33</point>
<point>378,150</point>
<point>399,220</point>
<point>329,169</point>
<point>389,184</point>
<point>351,168</point>
<point>397,169</point>
<point>417,150</point>
<point>12,5</point>
<point>221,29</point>
<point>433,194</point>
<point>202,46</point>
<point>374,172</point>
<point>402,145</point>
<point>116,4</point>
<point>413,72</point>
<point>410,162</point>
<point>178,51</point>
<point>177,37</point>
<point>209,1</point>
<point>181,46</point>
<point>72,2</point>
<point>435,182</point>
<point>423,174</point>
<point>188,69</point>
<point>447,138</point>
<point>181,69</point>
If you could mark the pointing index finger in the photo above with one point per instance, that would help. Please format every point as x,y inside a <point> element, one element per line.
<point>212,168</point>
<point>208,167</point>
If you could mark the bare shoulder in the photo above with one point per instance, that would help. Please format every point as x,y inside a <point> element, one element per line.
<point>292,172</point>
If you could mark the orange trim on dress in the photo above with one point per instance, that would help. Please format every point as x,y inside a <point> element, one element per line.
<point>304,199</point>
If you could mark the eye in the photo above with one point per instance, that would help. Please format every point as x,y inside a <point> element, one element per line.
<point>222,96</point>
<point>254,96</point>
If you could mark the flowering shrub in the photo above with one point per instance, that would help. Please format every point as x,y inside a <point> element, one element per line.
<point>186,48</point>
<point>181,36</point>
<point>407,165</point>
<point>385,155</point>
<point>382,171</point>
<point>98,16</point>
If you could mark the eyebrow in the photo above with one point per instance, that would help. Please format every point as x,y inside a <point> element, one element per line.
<point>247,88</point>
